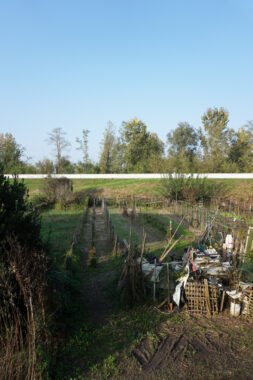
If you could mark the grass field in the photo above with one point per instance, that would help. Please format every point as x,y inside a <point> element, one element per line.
<point>238,188</point>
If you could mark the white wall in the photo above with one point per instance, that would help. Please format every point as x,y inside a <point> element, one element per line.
<point>134,176</point>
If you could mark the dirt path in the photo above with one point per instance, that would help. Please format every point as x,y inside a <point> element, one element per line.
<point>97,303</point>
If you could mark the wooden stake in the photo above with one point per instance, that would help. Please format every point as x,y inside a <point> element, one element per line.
<point>168,282</point>
<point>143,245</point>
<point>208,306</point>
<point>170,249</point>
<point>154,295</point>
<point>222,300</point>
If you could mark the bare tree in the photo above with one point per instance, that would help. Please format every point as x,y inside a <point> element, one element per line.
<point>57,139</point>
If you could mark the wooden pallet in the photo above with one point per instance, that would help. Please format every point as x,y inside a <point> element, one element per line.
<point>247,297</point>
<point>201,298</point>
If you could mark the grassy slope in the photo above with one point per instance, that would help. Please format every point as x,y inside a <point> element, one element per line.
<point>132,186</point>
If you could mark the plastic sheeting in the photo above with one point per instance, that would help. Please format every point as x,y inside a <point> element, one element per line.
<point>182,281</point>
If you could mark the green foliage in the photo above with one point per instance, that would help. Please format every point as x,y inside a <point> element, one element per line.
<point>183,142</point>
<point>23,268</point>
<point>83,145</point>
<point>182,187</point>
<point>247,270</point>
<point>90,167</point>
<point>45,166</point>
<point>17,215</point>
<point>215,139</point>
<point>108,150</point>
<point>241,149</point>
<point>138,145</point>
<point>10,154</point>
<point>40,202</point>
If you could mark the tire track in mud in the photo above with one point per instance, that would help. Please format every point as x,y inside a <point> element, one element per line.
<point>187,345</point>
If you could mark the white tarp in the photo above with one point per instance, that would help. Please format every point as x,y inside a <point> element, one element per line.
<point>182,281</point>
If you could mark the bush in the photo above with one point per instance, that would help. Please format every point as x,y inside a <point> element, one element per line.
<point>23,267</point>
<point>182,187</point>
<point>40,202</point>
<point>17,215</point>
<point>59,190</point>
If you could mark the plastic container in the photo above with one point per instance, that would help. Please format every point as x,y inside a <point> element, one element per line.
<point>235,308</point>
<point>229,242</point>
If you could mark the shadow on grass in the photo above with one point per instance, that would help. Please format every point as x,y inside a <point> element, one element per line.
<point>90,350</point>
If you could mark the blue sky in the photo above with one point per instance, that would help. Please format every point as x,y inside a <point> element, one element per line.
<point>78,64</point>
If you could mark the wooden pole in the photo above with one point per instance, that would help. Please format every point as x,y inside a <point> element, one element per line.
<point>154,295</point>
<point>222,300</point>
<point>168,282</point>
<point>169,250</point>
<point>208,306</point>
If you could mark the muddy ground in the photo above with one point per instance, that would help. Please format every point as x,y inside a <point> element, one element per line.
<point>197,348</point>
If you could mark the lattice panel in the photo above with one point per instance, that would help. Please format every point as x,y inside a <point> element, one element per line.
<point>248,299</point>
<point>197,299</point>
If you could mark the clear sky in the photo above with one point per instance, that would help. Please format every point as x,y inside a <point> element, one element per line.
<point>78,64</point>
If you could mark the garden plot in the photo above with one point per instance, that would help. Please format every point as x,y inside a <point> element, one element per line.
<point>156,225</point>
<point>142,342</point>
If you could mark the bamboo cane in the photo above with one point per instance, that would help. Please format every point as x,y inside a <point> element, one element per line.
<point>169,250</point>
<point>173,236</point>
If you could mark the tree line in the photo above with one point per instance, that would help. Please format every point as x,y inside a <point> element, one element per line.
<point>214,147</point>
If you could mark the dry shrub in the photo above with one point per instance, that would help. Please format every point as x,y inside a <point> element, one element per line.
<point>23,280</point>
<point>190,188</point>
<point>59,190</point>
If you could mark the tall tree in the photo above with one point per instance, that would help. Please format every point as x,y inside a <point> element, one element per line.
<point>183,144</point>
<point>107,155</point>
<point>83,145</point>
<point>184,139</point>
<point>215,139</point>
<point>241,150</point>
<point>11,154</point>
<point>138,145</point>
<point>60,144</point>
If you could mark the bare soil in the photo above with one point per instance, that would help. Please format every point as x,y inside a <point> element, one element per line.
<point>197,348</point>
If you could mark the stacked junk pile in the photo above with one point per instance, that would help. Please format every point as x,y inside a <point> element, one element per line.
<point>204,280</point>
